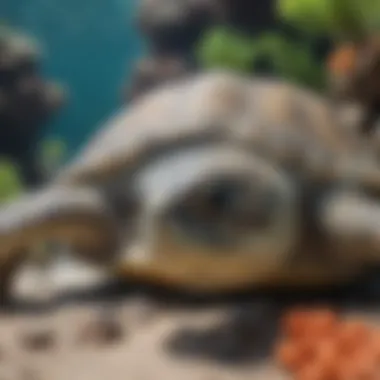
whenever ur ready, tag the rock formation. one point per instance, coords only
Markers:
(27, 102)
(171, 29)
(175, 29)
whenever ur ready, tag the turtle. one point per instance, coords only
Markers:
(209, 184)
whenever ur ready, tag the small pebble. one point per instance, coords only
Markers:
(29, 374)
(140, 311)
(103, 330)
(9, 372)
(39, 340)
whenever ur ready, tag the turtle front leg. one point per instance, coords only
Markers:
(351, 223)
(74, 216)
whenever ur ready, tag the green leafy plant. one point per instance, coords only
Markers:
(223, 47)
(227, 49)
(290, 60)
(52, 154)
(336, 18)
(10, 181)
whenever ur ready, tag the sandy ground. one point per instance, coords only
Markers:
(173, 345)
(120, 334)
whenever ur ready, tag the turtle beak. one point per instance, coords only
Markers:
(77, 217)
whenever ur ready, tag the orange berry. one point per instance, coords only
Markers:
(291, 355)
(343, 59)
(353, 334)
(313, 323)
(294, 323)
(326, 351)
(323, 324)
(374, 344)
(314, 371)
(361, 366)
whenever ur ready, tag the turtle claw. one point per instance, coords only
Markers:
(7, 271)
(72, 216)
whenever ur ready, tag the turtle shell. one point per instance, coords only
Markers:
(284, 122)
(288, 126)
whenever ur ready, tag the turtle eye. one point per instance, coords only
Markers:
(216, 201)
(219, 197)
(225, 209)
(234, 202)
(211, 199)
(239, 204)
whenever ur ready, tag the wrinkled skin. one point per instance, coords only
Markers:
(213, 184)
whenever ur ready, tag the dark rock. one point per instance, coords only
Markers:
(27, 102)
(103, 330)
(246, 335)
(250, 16)
(173, 26)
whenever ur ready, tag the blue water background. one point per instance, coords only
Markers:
(89, 46)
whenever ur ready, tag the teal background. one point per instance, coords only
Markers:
(90, 46)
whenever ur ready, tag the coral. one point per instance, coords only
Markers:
(321, 345)
(27, 101)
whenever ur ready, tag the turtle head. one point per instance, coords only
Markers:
(219, 208)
